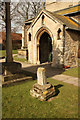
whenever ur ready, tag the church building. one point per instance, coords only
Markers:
(53, 35)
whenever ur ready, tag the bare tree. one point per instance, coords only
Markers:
(35, 8)
(19, 12)
(2, 15)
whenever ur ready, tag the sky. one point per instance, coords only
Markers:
(43, 0)
(63, 0)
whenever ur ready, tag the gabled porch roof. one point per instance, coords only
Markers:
(69, 23)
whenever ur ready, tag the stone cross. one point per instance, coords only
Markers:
(41, 76)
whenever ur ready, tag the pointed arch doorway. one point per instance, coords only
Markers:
(44, 48)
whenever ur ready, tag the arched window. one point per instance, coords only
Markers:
(43, 17)
(29, 36)
(59, 34)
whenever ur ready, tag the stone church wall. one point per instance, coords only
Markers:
(30, 46)
(71, 48)
(52, 27)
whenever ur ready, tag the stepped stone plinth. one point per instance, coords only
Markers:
(12, 73)
(42, 89)
(15, 78)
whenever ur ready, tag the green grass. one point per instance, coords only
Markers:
(3, 52)
(18, 103)
(20, 59)
(72, 72)
(15, 51)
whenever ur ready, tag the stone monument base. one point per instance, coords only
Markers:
(43, 92)
(10, 68)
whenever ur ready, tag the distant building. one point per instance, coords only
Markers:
(16, 40)
(53, 35)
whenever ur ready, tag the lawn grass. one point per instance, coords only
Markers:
(15, 51)
(75, 72)
(16, 58)
(17, 102)
(3, 52)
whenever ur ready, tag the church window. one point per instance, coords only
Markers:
(59, 34)
(43, 18)
(29, 36)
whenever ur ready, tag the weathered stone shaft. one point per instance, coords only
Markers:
(41, 76)
(8, 34)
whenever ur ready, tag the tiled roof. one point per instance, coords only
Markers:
(14, 36)
(65, 20)
(70, 23)
(69, 10)
(29, 20)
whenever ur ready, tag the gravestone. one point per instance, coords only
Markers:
(42, 89)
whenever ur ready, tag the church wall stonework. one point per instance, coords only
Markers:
(30, 54)
(35, 28)
(58, 59)
(71, 48)
(52, 29)
(30, 46)
(64, 45)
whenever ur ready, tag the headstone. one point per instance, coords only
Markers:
(41, 76)
(42, 89)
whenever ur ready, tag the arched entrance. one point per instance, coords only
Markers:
(45, 48)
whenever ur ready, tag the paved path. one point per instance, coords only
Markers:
(51, 72)
(68, 79)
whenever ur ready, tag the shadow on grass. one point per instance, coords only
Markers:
(57, 89)
(27, 73)
(55, 94)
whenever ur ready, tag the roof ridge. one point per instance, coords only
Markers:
(67, 8)
(66, 20)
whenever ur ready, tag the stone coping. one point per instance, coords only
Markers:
(16, 81)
